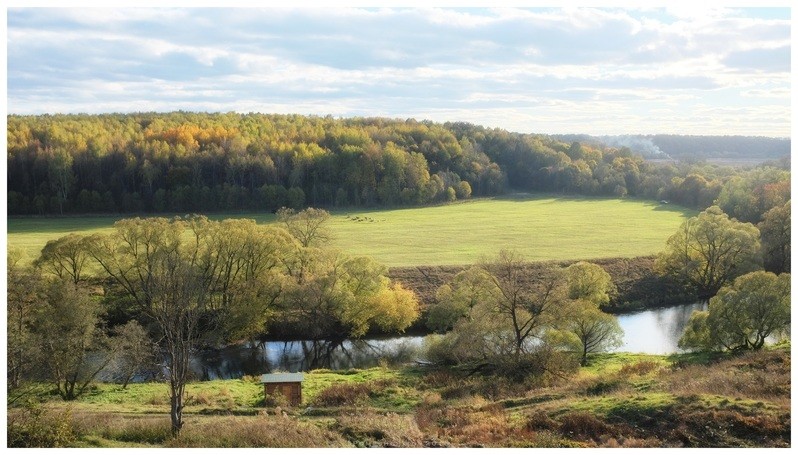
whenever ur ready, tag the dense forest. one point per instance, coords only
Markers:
(180, 161)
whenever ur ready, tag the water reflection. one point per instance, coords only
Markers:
(656, 331)
(651, 332)
(304, 355)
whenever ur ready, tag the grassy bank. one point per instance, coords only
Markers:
(541, 228)
(617, 400)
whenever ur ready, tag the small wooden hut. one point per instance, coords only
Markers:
(287, 384)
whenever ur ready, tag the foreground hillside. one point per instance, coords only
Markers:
(539, 227)
(617, 400)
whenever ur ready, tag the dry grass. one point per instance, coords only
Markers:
(376, 430)
(140, 429)
(255, 431)
(346, 394)
(755, 375)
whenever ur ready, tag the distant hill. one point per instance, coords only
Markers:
(750, 149)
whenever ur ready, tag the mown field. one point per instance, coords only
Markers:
(618, 400)
(541, 228)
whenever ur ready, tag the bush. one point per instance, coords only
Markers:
(32, 426)
(583, 425)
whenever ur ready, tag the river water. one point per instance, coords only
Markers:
(654, 331)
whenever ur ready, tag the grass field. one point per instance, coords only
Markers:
(540, 228)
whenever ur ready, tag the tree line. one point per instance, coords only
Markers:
(193, 162)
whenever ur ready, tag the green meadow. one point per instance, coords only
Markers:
(541, 228)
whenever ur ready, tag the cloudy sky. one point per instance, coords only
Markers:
(596, 71)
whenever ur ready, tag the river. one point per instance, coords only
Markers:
(654, 331)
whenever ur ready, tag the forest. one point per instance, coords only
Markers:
(198, 162)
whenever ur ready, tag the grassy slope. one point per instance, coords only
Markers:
(618, 400)
(540, 228)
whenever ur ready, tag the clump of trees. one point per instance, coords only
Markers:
(742, 315)
(497, 321)
(194, 282)
(709, 251)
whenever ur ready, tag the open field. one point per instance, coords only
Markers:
(618, 400)
(541, 228)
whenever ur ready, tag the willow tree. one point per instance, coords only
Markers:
(709, 251)
(64, 257)
(589, 329)
(329, 295)
(742, 315)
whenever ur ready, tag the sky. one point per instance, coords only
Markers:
(600, 71)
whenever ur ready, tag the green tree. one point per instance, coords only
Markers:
(65, 257)
(23, 296)
(60, 175)
(587, 281)
(592, 329)
(530, 308)
(709, 251)
(742, 315)
(775, 231)
(135, 352)
(310, 226)
(455, 300)
(334, 296)
(72, 348)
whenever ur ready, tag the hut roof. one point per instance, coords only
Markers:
(282, 377)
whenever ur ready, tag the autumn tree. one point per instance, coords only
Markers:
(158, 268)
(528, 307)
(742, 315)
(709, 251)
(330, 295)
(501, 319)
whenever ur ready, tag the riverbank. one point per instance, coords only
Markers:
(618, 400)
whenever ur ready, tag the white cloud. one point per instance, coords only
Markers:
(570, 70)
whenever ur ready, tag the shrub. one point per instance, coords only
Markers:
(583, 425)
(541, 421)
(32, 426)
